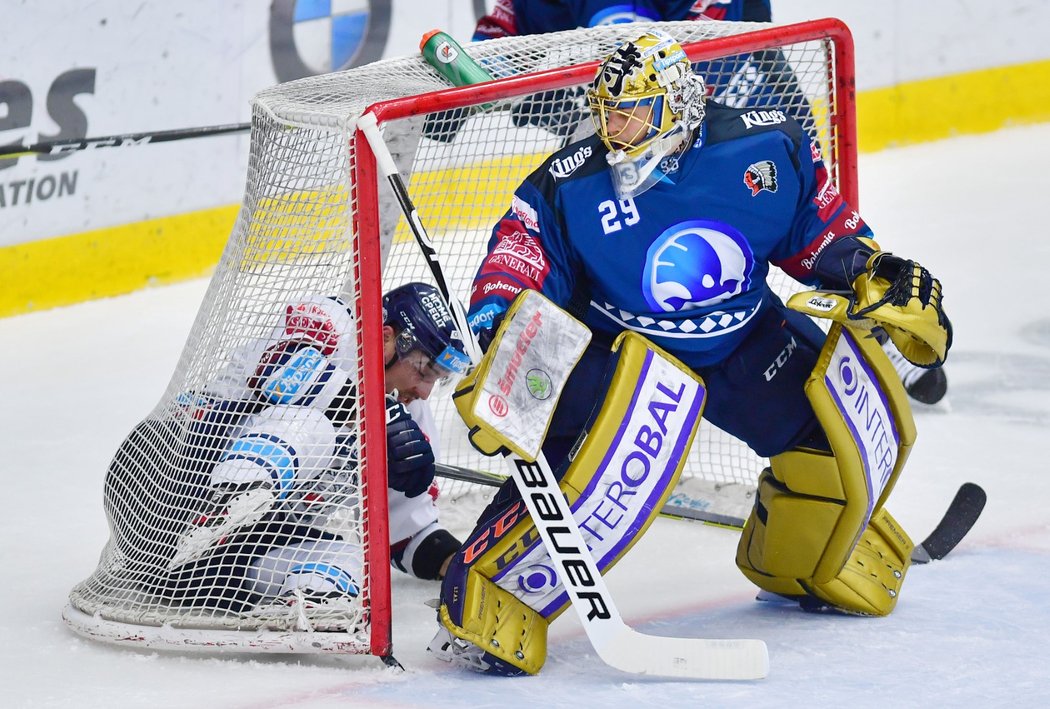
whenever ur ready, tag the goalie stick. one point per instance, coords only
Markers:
(958, 519)
(615, 642)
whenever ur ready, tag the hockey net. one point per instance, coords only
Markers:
(316, 222)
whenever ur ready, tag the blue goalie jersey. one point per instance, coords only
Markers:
(684, 263)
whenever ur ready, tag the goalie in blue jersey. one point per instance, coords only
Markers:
(761, 80)
(666, 223)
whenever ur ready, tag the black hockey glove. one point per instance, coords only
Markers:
(409, 457)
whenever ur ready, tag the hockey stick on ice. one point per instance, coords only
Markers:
(61, 147)
(672, 511)
(615, 642)
(958, 519)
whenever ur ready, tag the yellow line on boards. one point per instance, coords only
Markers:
(934, 109)
(112, 261)
(116, 260)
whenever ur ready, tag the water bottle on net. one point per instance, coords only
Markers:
(444, 54)
(448, 58)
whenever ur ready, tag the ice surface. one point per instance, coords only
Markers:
(968, 631)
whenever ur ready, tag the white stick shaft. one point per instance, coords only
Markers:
(385, 162)
(617, 644)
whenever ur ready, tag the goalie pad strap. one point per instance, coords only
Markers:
(630, 460)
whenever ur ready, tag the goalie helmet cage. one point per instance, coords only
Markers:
(314, 221)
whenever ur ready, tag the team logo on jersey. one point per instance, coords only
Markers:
(694, 264)
(520, 253)
(761, 176)
(563, 167)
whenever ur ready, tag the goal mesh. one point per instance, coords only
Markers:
(315, 222)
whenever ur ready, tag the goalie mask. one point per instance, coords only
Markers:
(421, 321)
(645, 102)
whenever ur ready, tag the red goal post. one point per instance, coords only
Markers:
(315, 220)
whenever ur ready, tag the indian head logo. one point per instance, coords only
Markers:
(761, 176)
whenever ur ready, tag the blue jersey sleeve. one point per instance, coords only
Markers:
(822, 218)
(527, 250)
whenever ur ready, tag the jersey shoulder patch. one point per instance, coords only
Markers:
(724, 123)
(580, 159)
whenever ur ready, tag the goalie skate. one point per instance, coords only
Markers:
(232, 506)
(460, 653)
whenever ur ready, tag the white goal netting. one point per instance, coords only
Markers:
(304, 232)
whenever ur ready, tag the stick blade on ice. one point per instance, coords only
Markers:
(684, 658)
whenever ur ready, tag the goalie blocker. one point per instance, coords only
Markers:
(501, 590)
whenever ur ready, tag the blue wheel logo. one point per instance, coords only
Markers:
(695, 264)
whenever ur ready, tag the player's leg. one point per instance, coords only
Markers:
(148, 495)
(420, 545)
(501, 590)
(812, 506)
(316, 571)
(159, 476)
(277, 447)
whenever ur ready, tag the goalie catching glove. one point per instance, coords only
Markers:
(897, 294)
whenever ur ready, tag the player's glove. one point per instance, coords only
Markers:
(906, 300)
(409, 457)
(897, 294)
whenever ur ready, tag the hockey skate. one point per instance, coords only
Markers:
(231, 507)
(460, 653)
(927, 386)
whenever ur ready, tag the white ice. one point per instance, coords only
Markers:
(968, 630)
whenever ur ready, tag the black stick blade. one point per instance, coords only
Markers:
(962, 514)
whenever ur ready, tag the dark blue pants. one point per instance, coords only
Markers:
(755, 394)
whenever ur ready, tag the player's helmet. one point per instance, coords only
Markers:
(418, 315)
(649, 86)
(651, 80)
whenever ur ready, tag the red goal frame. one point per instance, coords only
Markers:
(365, 191)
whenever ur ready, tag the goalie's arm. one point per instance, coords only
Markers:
(529, 226)
(830, 246)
